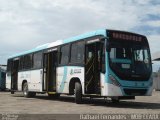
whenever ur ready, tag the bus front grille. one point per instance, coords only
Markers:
(135, 92)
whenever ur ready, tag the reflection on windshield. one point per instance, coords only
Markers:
(130, 61)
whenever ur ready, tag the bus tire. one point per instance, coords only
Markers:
(26, 93)
(78, 93)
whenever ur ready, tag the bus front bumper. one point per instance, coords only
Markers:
(113, 90)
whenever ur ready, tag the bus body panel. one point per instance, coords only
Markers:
(65, 74)
(149, 92)
(33, 78)
(62, 82)
(112, 90)
(8, 81)
(36, 80)
(23, 75)
(102, 82)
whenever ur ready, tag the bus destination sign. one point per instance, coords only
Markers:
(125, 36)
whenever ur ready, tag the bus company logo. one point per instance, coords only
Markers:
(75, 71)
(71, 72)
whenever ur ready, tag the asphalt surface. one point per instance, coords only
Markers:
(42, 104)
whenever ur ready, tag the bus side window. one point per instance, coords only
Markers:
(21, 63)
(37, 60)
(9, 65)
(27, 61)
(77, 52)
(64, 58)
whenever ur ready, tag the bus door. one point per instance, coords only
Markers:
(14, 74)
(92, 68)
(49, 71)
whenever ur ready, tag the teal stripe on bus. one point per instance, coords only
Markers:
(63, 80)
(86, 35)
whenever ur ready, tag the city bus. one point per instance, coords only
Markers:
(104, 63)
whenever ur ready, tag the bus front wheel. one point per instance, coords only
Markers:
(78, 93)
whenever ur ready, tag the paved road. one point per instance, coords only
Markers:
(41, 104)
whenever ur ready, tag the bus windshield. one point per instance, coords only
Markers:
(130, 60)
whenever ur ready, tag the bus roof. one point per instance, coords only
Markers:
(30, 51)
(60, 42)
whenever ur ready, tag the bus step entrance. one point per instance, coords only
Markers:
(92, 74)
(49, 71)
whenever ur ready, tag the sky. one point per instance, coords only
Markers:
(25, 24)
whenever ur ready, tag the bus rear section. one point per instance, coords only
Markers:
(129, 65)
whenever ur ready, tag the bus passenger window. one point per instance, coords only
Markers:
(21, 61)
(77, 52)
(37, 60)
(27, 61)
(64, 54)
(9, 65)
(90, 54)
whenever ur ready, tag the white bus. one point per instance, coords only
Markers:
(104, 63)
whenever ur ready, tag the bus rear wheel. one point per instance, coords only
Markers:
(78, 93)
(26, 93)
